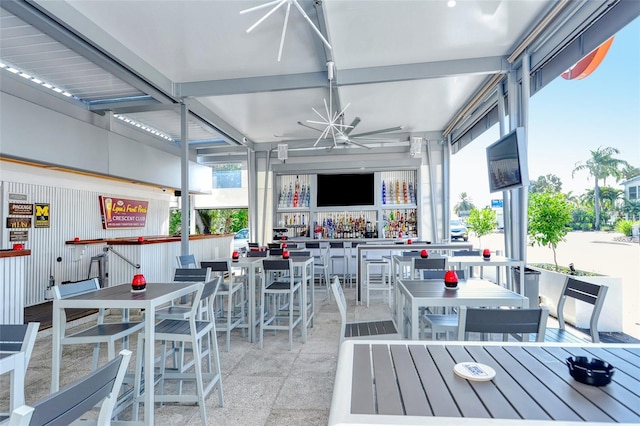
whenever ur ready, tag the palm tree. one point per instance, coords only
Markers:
(464, 205)
(629, 172)
(601, 165)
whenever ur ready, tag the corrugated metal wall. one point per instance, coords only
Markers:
(11, 290)
(73, 212)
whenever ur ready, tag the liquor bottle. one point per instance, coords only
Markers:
(303, 196)
(384, 193)
(290, 195)
(397, 200)
(405, 194)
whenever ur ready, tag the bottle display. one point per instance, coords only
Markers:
(393, 216)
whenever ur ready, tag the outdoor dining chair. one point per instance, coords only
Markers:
(201, 336)
(101, 331)
(230, 302)
(592, 294)
(383, 329)
(187, 261)
(280, 289)
(503, 321)
(101, 386)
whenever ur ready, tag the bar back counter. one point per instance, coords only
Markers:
(155, 256)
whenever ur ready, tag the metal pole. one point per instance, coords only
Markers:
(184, 189)
(267, 168)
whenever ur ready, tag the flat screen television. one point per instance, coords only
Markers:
(507, 162)
(335, 190)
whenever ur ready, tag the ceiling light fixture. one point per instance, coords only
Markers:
(35, 80)
(278, 4)
(144, 127)
(451, 3)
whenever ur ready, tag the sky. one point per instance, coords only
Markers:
(567, 120)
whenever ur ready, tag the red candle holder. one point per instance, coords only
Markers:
(76, 239)
(284, 245)
(451, 279)
(140, 239)
(424, 254)
(409, 241)
(285, 254)
(139, 283)
(18, 246)
(486, 254)
(235, 255)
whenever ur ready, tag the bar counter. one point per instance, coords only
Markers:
(154, 256)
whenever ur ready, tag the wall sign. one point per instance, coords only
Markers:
(118, 213)
(15, 236)
(21, 209)
(18, 222)
(18, 197)
(42, 215)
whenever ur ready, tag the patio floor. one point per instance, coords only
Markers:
(270, 386)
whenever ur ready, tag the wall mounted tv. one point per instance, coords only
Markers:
(335, 190)
(507, 162)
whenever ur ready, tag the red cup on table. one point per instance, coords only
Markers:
(424, 254)
(235, 255)
(285, 254)
(409, 241)
(284, 245)
(138, 283)
(450, 279)
(486, 254)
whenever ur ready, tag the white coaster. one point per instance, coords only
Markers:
(474, 371)
(450, 288)
(138, 291)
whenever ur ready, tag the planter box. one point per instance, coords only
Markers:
(576, 312)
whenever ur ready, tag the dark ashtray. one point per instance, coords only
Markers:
(595, 372)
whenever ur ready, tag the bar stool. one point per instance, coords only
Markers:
(336, 255)
(378, 281)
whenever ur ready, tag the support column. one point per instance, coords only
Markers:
(184, 189)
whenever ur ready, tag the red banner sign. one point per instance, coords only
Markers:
(123, 212)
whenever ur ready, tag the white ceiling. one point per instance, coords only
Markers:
(414, 64)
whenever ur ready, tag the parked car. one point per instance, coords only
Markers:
(241, 240)
(458, 230)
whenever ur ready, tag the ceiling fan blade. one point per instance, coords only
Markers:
(309, 127)
(351, 141)
(375, 132)
(353, 125)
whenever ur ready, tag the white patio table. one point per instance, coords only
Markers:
(473, 292)
(413, 383)
(252, 265)
(460, 262)
(12, 363)
(120, 297)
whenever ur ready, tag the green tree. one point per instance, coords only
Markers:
(175, 221)
(481, 222)
(601, 165)
(548, 216)
(546, 183)
(464, 205)
(629, 172)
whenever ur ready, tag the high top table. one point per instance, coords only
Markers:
(474, 292)
(413, 383)
(391, 249)
(120, 297)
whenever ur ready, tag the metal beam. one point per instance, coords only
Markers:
(128, 106)
(424, 70)
(220, 125)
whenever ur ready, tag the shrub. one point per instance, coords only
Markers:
(549, 215)
(624, 227)
(482, 222)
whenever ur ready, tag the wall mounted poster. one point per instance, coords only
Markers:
(42, 215)
(119, 213)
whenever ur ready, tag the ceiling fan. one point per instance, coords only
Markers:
(334, 124)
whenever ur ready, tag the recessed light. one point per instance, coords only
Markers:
(451, 3)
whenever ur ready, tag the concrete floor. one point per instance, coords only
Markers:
(270, 386)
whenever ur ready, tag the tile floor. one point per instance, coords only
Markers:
(272, 386)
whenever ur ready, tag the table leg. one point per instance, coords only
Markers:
(58, 324)
(303, 301)
(149, 365)
(251, 315)
(17, 381)
(415, 322)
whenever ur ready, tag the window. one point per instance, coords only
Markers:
(633, 192)
(227, 175)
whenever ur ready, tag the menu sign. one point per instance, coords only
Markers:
(21, 209)
(122, 212)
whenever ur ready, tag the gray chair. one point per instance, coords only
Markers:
(339, 253)
(593, 294)
(230, 304)
(503, 321)
(280, 288)
(101, 331)
(187, 261)
(19, 338)
(257, 253)
(101, 386)
(419, 264)
(384, 329)
(182, 311)
(434, 322)
(201, 336)
(320, 255)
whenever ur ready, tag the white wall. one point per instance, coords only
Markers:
(29, 131)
